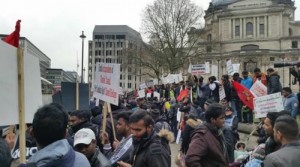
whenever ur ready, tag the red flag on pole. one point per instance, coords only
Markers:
(13, 38)
(244, 94)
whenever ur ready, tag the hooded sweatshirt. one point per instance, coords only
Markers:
(59, 153)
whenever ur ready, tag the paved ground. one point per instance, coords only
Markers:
(174, 149)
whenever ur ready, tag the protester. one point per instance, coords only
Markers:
(78, 120)
(268, 126)
(160, 122)
(232, 122)
(290, 101)
(258, 75)
(273, 85)
(286, 133)
(49, 130)
(207, 147)
(246, 81)
(122, 149)
(149, 149)
(214, 89)
(5, 155)
(96, 115)
(85, 142)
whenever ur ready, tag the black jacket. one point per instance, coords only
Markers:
(151, 152)
(274, 85)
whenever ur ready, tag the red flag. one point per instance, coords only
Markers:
(13, 38)
(244, 94)
(184, 93)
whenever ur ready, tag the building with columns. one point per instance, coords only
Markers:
(252, 33)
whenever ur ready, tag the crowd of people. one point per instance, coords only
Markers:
(192, 111)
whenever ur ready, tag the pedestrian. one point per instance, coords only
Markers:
(286, 133)
(49, 127)
(207, 147)
(260, 76)
(149, 149)
(85, 143)
(273, 85)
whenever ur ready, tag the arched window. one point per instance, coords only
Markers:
(209, 38)
(249, 28)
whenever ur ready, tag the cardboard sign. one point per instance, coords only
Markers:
(9, 85)
(229, 67)
(269, 103)
(143, 86)
(198, 69)
(142, 93)
(258, 89)
(107, 79)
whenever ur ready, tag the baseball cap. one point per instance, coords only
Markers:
(84, 136)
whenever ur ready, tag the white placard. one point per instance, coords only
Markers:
(207, 69)
(156, 94)
(107, 79)
(155, 81)
(198, 69)
(180, 78)
(148, 95)
(236, 68)
(141, 93)
(178, 116)
(268, 103)
(178, 136)
(258, 89)
(143, 86)
(9, 85)
(229, 67)
(150, 84)
(222, 94)
(214, 70)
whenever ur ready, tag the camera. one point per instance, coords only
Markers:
(286, 64)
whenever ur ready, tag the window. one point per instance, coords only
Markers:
(120, 76)
(129, 85)
(237, 30)
(121, 44)
(261, 29)
(120, 84)
(209, 37)
(120, 36)
(272, 58)
(290, 32)
(294, 44)
(129, 69)
(208, 49)
(249, 28)
(129, 77)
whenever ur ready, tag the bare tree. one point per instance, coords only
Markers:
(167, 24)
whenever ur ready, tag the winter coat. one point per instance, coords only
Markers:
(291, 104)
(58, 153)
(207, 148)
(151, 151)
(288, 155)
(274, 85)
(247, 82)
(191, 125)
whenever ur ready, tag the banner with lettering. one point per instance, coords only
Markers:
(198, 69)
(107, 79)
(268, 103)
(258, 89)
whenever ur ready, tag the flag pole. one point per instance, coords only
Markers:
(77, 95)
(21, 103)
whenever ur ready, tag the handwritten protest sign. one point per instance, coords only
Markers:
(222, 94)
(198, 69)
(258, 89)
(268, 103)
(107, 79)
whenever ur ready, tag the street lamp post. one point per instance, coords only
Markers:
(82, 36)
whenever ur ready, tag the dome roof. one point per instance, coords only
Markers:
(222, 2)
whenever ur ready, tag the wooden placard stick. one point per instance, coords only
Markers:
(112, 121)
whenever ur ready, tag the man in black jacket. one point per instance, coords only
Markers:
(149, 148)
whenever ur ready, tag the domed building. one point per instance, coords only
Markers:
(251, 33)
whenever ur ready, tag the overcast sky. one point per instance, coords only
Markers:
(54, 26)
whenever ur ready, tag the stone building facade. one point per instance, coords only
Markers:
(252, 33)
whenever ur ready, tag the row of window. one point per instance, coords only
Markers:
(129, 77)
(108, 52)
(109, 44)
(110, 36)
(249, 29)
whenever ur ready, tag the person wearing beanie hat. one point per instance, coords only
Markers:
(85, 143)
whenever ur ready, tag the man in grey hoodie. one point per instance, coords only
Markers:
(49, 129)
